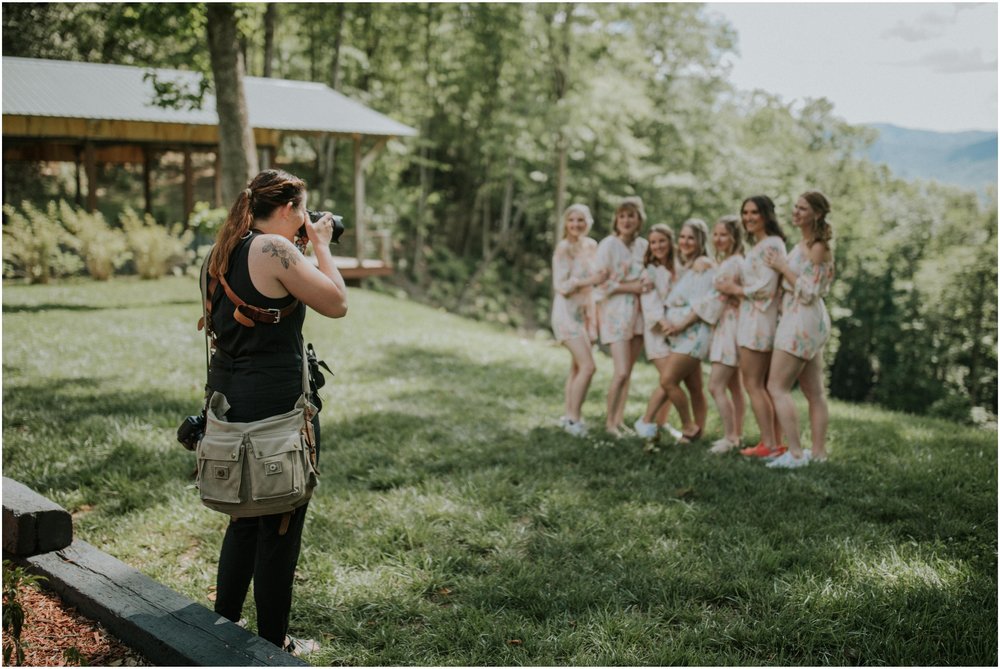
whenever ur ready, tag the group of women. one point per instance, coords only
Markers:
(756, 314)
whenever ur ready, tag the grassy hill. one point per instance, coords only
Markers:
(456, 525)
(967, 159)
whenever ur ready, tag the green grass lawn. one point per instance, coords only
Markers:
(457, 525)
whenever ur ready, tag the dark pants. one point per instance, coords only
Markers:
(252, 548)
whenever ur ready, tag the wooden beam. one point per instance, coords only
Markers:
(15, 125)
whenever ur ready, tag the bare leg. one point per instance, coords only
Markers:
(739, 403)
(658, 407)
(581, 372)
(623, 354)
(678, 368)
(568, 387)
(754, 365)
(696, 391)
(785, 368)
(719, 381)
(811, 383)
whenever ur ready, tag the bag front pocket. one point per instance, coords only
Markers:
(220, 466)
(275, 464)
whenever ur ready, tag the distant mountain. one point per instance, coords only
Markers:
(967, 159)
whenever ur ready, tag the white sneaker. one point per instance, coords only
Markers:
(673, 432)
(300, 647)
(722, 446)
(563, 420)
(645, 430)
(789, 461)
(575, 428)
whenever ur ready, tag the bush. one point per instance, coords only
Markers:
(205, 222)
(103, 249)
(155, 249)
(953, 406)
(36, 246)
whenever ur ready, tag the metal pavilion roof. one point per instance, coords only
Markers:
(65, 89)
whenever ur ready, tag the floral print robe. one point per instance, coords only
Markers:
(804, 326)
(574, 314)
(653, 306)
(761, 297)
(618, 314)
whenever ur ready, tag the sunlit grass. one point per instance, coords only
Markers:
(456, 525)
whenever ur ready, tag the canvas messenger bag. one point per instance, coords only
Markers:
(259, 468)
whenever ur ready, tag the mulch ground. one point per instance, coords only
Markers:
(57, 635)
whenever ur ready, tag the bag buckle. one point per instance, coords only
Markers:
(276, 313)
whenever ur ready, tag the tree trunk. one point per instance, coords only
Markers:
(237, 148)
(559, 50)
(329, 143)
(270, 20)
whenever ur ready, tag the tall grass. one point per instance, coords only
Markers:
(456, 525)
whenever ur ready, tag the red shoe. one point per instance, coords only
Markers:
(762, 451)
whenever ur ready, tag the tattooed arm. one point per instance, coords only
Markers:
(278, 268)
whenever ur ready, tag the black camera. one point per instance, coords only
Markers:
(191, 431)
(338, 225)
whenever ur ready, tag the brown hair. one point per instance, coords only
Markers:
(664, 230)
(765, 206)
(633, 202)
(735, 230)
(822, 232)
(266, 192)
(700, 230)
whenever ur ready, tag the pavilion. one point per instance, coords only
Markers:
(89, 113)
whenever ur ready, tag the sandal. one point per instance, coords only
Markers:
(690, 438)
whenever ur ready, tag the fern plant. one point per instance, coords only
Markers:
(103, 249)
(36, 245)
(155, 249)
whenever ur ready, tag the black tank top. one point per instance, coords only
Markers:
(258, 369)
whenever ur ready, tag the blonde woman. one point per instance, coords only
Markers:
(574, 316)
(803, 330)
(727, 238)
(661, 268)
(619, 319)
(759, 288)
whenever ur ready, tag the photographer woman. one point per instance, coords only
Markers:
(258, 367)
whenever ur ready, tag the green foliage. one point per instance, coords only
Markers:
(457, 525)
(15, 578)
(36, 245)
(155, 250)
(104, 249)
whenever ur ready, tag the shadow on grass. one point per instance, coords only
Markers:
(53, 306)
(47, 306)
(461, 516)
(114, 450)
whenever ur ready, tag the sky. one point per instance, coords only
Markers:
(925, 66)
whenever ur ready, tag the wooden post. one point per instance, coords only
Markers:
(147, 184)
(359, 201)
(362, 163)
(265, 158)
(90, 162)
(188, 184)
(79, 187)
